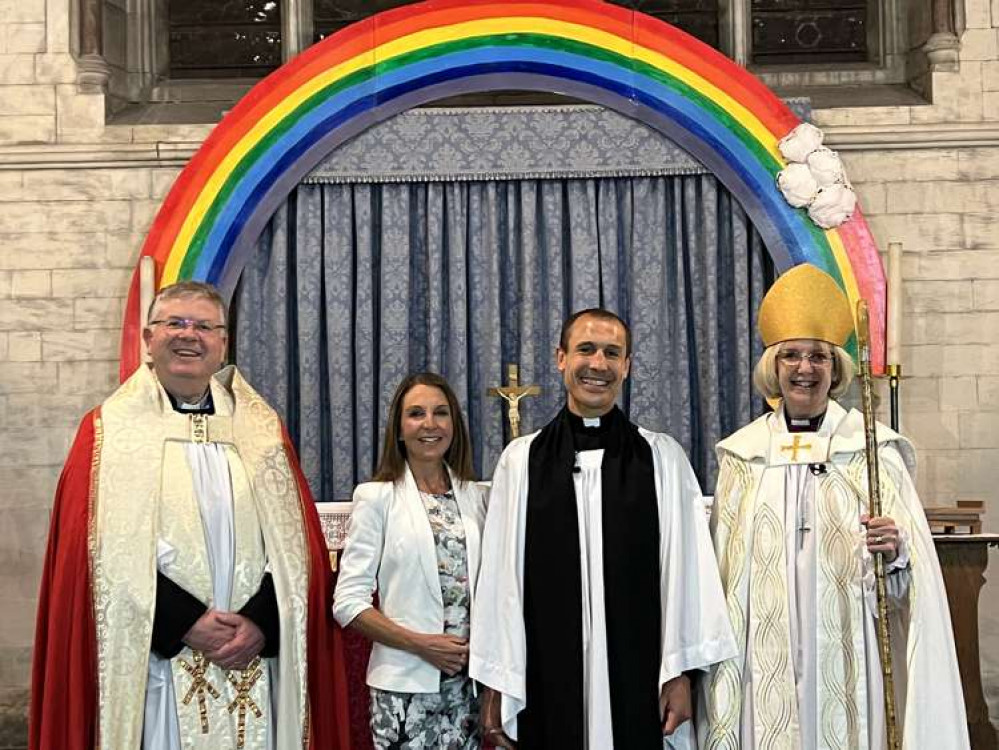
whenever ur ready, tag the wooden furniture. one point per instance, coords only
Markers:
(964, 554)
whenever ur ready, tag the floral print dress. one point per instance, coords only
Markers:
(446, 720)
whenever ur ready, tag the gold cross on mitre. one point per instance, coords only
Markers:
(512, 392)
(795, 446)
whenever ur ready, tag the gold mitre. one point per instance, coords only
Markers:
(805, 303)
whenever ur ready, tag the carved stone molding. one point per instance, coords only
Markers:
(943, 48)
(93, 71)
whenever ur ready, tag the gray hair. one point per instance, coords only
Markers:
(765, 373)
(188, 290)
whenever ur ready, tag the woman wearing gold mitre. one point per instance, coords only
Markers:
(795, 544)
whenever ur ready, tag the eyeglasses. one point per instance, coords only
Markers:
(176, 325)
(794, 358)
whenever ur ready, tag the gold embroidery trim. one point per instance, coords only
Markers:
(243, 702)
(199, 687)
(95, 471)
(199, 428)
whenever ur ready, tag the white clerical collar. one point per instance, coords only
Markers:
(591, 421)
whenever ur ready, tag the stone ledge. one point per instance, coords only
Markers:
(171, 153)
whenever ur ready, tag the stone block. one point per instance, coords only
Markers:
(58, 67)
(11, 186)
(79, 184)
(963, 359)
(22, 11)
(19, 621)
(17, 69)
(28, 377)
(4, 338)
(5, 284)
(952, 328)
(23, 533)
(27, 129)
(88, 282)
(15, 668)
(163, 180)
(76, 111)
(990, 76)
(988, 392)
(22, 37)
(980, 231)
(933, 431)
(957, 394)
(94, 379)
(52, 250)
(986, 295)
(95, 313)
(958, 264)
(34, 447)
(957, 97)
(57, 26)
(143, 214)
(937, 296)
(35, 315)
(873, 197)
(942, 197)
(977, 14)
(56, 410)
(14, 717)
(70, 346)
(27, 100)
(171, 133)
(29, 486)
(978, 44)
(853, 116)
(901, 166)
(123, 248)
(990, 105)
(979, 430)
(24, 346)
(918, 233)
(951, 475)
(916, 395)
(64, 216)
(31, 284)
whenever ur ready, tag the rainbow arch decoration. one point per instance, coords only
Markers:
(591, 50)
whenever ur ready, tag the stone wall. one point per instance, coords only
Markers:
(76, 198)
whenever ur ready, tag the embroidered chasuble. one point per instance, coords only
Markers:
(212, 502)
(799, 587)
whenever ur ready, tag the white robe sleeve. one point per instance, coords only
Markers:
(696, 631)
(498, 644)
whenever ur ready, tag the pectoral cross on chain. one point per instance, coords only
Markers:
(512, 392)
(796, 446)
(200, 687)
(243, 702)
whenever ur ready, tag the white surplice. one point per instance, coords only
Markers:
(821, 678)
(695, 628)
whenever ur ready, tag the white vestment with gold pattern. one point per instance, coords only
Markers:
(209, 501)
(799, 590)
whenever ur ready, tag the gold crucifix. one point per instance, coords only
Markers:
(795, 447)
(512, 392)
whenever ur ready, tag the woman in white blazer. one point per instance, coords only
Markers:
(414, 538)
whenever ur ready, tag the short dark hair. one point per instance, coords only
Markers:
(186, 289)
(392, 464)
(595, 312)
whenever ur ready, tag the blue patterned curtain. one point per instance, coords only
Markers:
(354, 286)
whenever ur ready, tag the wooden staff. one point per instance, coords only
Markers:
(874, 491)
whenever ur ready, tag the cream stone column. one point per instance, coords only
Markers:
(93, 68)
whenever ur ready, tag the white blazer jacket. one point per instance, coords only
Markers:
(390, 548)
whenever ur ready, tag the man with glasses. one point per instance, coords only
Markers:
(794, 545)
(184, 601)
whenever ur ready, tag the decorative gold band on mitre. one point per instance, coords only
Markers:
(805, 303)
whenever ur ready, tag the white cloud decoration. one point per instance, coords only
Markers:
(814, 178)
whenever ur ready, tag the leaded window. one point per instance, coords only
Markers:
(809, 31)
(224, 38)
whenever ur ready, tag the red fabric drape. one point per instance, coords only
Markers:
(63, 713)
